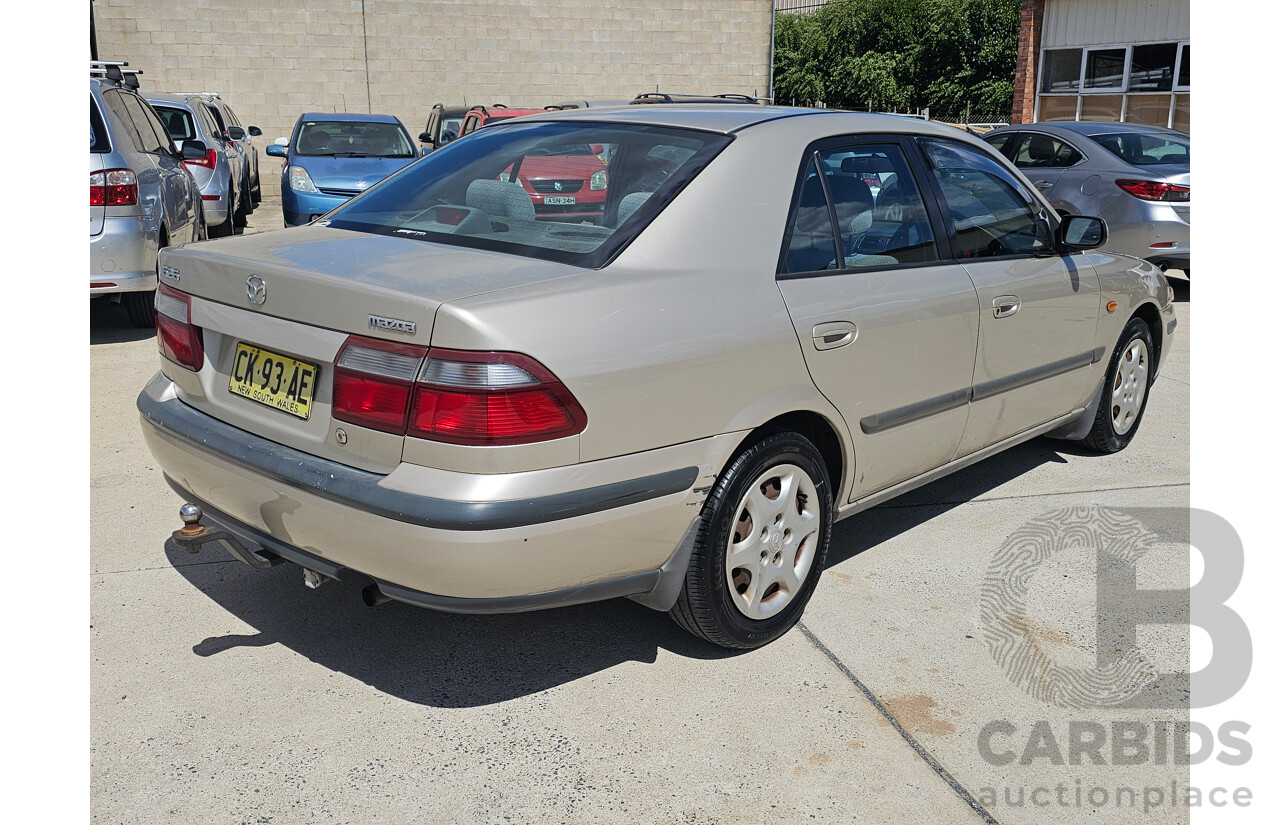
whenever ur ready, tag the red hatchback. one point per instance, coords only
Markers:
(569, 185)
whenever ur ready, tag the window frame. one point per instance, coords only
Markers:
(915, 165)
(1183, 46)
(1039, 206)
(1123, 88)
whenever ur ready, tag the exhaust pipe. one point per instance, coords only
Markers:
(372, 596)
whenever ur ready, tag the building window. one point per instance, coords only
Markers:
(1061, 72)
(1152, 68)
(1145, 83)
(1104, 69)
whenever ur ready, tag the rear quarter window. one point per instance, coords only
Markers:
(99, 140)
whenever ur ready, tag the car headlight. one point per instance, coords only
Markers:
(300, 181)
(599, 180)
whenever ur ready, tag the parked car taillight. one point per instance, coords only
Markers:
(491, 398)
(373, 383)
(479, 398)
(113, 187)
(209, 161)
(1154, 190)
(180, 341)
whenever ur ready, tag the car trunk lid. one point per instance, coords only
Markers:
(296, 296)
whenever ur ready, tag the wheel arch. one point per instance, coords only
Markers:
(1150, 313)
(813, 426)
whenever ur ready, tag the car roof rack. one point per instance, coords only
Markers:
(199, 94)
(664, 97)
(115, 71)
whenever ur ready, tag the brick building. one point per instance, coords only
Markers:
(1106, 60)
(273, 60)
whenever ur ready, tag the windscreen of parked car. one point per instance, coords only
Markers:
(463, 194)
(1146, 149)
(449, 129)
(177, 121)
(353, 139)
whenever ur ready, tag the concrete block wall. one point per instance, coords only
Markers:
(272, 61)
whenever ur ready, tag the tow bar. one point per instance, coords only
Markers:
(194, 534)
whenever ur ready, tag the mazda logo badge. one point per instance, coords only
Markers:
(256, 289)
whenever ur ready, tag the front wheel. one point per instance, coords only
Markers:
(1124, 394)
(761, 547)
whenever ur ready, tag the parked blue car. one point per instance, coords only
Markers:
(331, 158)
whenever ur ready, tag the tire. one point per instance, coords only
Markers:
(750, 605)
(141, 307)
(222, 230)
(256, 191)
(1125, 391)
(240, 217)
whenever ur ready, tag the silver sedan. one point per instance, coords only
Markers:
(468, 407)
(1138, 178)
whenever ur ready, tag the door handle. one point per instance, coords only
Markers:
(834, 334)
(1006, 305)
(1042, 185)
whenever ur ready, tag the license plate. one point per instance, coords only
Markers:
(559, 200)
(275, 380)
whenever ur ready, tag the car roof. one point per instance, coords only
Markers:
(727, 118)
(160, 97)
(353, 117)
(1087, 128)
(446, 109)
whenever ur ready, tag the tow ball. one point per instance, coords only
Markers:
(194, 534)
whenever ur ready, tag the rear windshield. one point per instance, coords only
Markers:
(531, 189)
(353, 139)
(98, 141)
(178, 122)
(1147, 150)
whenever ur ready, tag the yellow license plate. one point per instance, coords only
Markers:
(275, 380)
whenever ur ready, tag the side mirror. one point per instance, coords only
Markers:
(235, 132)
(194, 150)
(597, 148)
(254, 131)
(425, 137)
(1078, 232)
(275, 150)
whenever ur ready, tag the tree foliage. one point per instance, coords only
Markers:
(953, 56)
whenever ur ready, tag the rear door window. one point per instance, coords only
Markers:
(991, 212)
(1036, 151)
(881, 214)
(154, 137)
(178, 122)
(811, 242)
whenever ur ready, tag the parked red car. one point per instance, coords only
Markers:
(571, 185)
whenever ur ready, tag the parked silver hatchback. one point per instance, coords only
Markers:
(470, 406)
(187, 118)
(141, 197)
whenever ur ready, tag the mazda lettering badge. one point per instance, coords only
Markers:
(256, 289)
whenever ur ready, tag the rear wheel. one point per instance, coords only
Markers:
(240, 217)
(141, 306)
(761, 547)
(1124, 394)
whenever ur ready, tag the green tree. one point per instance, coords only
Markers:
(951, 56)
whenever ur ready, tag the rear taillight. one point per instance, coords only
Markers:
(113, 187)
(491, 398)
(373, 383)
(209, 161)
(478, 398)
(1154, 190)
(180, 341)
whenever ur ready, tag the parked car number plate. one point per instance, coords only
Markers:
(557, 200)
(275, 380)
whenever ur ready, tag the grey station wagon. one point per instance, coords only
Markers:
(468, 407)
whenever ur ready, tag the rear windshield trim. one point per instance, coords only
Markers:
(602, 256)
(102, 139)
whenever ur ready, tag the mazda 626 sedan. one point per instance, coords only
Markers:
(464, 405)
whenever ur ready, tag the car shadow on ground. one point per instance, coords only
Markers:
(450, 660)
(109, 324)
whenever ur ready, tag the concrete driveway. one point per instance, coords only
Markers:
(223, 694)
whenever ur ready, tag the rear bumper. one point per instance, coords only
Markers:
(216, 212)
(592, 531)
(122, 257)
